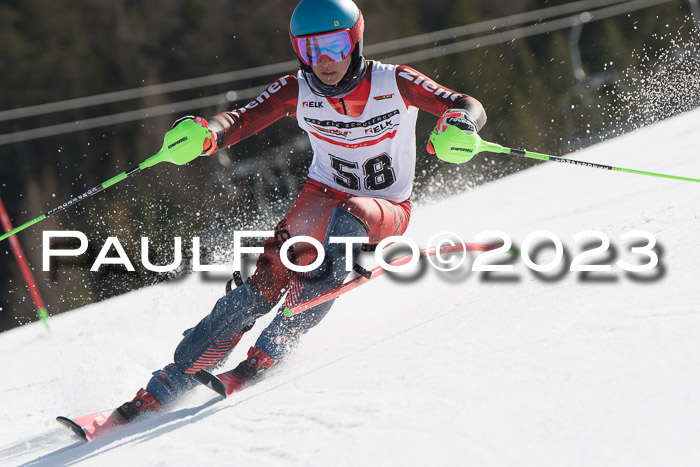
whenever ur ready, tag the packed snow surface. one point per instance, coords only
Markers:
(426, 369)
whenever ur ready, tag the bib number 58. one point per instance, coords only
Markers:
(377, 173)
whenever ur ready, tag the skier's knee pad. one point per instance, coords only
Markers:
(214, 337)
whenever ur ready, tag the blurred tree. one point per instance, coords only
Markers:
(55, 50)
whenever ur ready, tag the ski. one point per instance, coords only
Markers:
(93, 426)
(96, 425)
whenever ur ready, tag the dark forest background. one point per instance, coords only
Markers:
(53, 51)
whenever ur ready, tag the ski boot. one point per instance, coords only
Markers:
(169, 383)
(257, 362)
(164, 387)
(144, 402)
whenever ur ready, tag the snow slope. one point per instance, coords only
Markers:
(438, 369)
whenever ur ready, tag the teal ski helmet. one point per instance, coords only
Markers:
(341, 24)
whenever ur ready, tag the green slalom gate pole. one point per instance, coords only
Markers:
(454, 146)
(181, 145)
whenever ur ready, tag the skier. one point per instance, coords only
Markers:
(360, 117)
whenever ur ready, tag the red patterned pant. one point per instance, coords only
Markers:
(309, 216)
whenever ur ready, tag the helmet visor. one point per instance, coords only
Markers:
(335, 45)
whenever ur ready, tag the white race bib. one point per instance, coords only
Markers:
(371, 155)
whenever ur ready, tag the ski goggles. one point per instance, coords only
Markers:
(336, 45)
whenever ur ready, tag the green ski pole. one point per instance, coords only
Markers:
(454, 146)
(181, 145)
